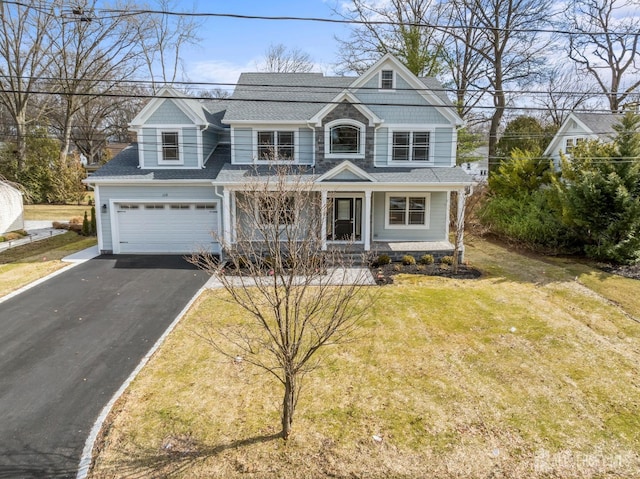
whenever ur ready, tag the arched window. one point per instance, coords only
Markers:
(345, 138)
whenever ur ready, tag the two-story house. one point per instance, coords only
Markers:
(379, 150)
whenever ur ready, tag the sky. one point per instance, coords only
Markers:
(231, 46)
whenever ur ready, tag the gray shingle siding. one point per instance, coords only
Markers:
(168, 113)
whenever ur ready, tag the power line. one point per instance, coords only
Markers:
(118, 13)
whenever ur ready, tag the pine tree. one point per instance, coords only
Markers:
(86, 227)
(94, 230)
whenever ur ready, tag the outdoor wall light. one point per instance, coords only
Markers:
(104, 207)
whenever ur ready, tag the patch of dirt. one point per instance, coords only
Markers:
(384, 274)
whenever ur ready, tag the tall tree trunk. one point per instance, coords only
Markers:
(288, 404)
(21, 141)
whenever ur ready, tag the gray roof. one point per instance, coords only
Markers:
(600, 124)
(243, 173)
(293, 96)
(124, 166)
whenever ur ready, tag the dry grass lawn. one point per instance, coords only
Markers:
(55, 212)
(530, 372)
(24, 264)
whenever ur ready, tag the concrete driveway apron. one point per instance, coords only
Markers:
(68, 344)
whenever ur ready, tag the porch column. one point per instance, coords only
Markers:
(367, 220)
(459, 233)
(323, 219)
(226, 220)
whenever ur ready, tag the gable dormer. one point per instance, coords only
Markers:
(170, 132)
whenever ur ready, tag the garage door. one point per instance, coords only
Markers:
(166, 228)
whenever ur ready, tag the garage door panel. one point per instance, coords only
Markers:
(161, 228)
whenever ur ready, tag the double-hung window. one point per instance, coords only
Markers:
(276, 146)
(407, 211)
(386, 80)
(170, 146)
(276, 210)
(410, 146)
(571, 143)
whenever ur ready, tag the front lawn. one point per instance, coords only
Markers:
(530, 371)
(24, 264)
(55, 212)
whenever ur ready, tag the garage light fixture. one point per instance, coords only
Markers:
(104, 207)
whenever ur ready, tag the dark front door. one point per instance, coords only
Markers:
(347, 219)
(343, 219)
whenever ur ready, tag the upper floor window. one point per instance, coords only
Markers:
(276, 145)
(170, 146)
(410, 146)
(345, 138)
(571, 143)
(386, 80)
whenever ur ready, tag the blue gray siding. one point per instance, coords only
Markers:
(168, 113)
(438, 217)
(210, 139)
(151, 147)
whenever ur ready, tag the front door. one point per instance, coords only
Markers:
(347, 220)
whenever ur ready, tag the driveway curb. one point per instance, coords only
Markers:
(86, 457)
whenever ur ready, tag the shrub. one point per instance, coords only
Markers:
(397, 268)
(426, 259)
(408, 260)
(2, 239)
(60, 226)
(448, 260)
(86, 227)
(94, 227)
(384, 259)
(12, 236)
(76, 220)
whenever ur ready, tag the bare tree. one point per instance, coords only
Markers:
(296, 305)
(604, 44)
(565, 90)
(24, 59)
(280, 59)
(467, 69)
(161, 38)
(91, 56)
(417, 47)
(509, 44)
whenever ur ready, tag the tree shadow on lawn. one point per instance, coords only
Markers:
(178, 453)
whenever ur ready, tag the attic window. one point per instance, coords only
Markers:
(386, 80)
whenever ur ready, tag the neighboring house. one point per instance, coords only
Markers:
(580, 127)
(380, 148)
(478, 165)
(11, 209)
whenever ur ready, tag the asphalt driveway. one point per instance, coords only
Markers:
(68, 344)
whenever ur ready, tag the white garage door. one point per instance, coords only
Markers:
(166, 228)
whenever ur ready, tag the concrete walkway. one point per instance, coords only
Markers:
(334, 276)
(38, 230)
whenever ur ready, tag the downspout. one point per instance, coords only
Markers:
(219, 195)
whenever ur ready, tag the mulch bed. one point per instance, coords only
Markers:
(384, 274)
(632, 271)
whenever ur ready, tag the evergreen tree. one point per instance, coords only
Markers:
(94, 229)
(600, 194)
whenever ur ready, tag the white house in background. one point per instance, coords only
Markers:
(580, 127)
(11, 209)
(478, 169)
(380, 150)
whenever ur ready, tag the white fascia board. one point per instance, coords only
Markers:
(147, 182)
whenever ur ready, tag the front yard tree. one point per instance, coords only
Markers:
(276, 271)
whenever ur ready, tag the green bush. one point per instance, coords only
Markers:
(86, 226)
(408, 260)
(384, 259)
(426, 259)
(448, 260)
(2, 239)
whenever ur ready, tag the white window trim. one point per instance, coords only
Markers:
(163, 162)
(296, 148)
(393, 81)
(407, 195)
(347, 122)
(574, 140)
(411, 130)
(258, 215)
